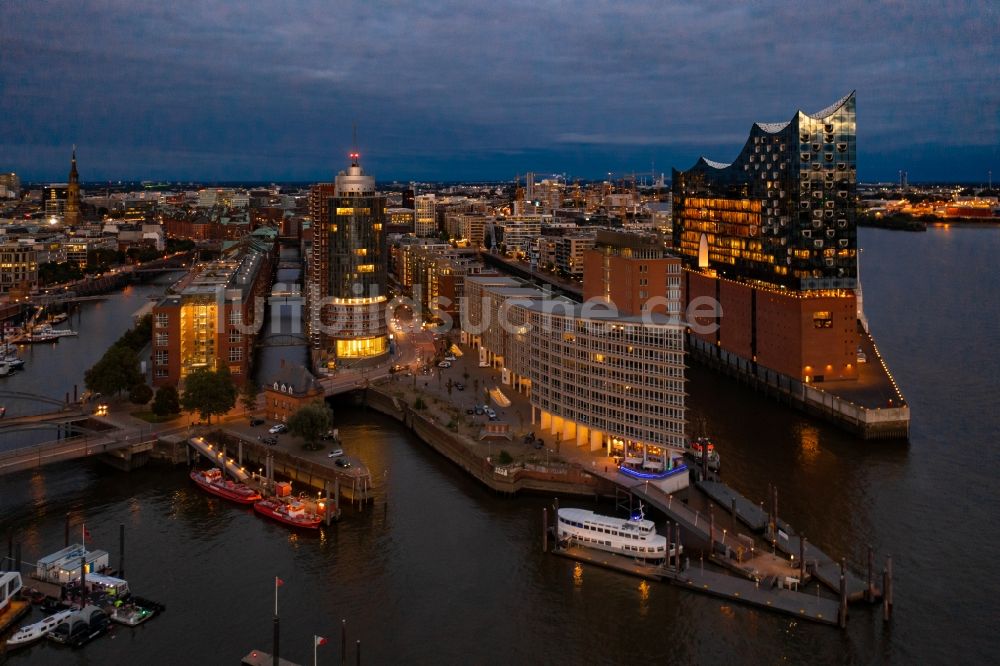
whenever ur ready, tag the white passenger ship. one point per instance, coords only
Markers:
(635, 538)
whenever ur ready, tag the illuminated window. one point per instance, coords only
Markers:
(366, 268)
(361, 347)
(823, 319)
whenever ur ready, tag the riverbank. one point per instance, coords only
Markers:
(430, 425)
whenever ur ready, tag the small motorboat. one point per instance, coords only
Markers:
(697, 449)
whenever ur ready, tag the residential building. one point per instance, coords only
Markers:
(633, 272)
(10, 186)
(424, 218)
(18, 268)
(400, 221)
(213, 319)
(519, 232)
(290, 388)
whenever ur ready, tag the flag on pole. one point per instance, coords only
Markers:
(317, 641)
(277, 583)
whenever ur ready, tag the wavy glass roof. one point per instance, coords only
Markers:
(774, 128)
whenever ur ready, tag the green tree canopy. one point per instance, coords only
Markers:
(140, 394)
(117, 371)
(166, 401)
(209, 392)
(248, 395)
(309, 422)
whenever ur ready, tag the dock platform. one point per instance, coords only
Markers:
(612, 561)
(749, 514)
(764, 595)
(820, 565)
(15, 610)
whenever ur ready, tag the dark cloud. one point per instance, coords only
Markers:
(484, 90)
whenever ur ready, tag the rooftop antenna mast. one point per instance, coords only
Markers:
(354, 146)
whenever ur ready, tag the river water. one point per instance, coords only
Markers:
(450, 573)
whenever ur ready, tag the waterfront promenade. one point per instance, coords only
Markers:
(456, 434)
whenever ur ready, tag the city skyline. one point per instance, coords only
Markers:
(192, 93)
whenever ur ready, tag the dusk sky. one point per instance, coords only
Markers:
(485, 90)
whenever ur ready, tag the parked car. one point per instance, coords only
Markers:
(450, 357)
(444, 364)
(277, 429)
(343, 463)
(479, 411)
(470, 411)
(336, 453)
(459, 386)
(256, 421)
(329, 434)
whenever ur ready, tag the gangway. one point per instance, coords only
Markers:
(218, 456)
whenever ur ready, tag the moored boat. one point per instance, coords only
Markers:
(131, 614)
(214, 482)
(81, 627)
(696, 450)
(635, 537)
(291, 513)
(30, 633)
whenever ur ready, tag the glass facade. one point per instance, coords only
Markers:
(783, 212)
(355, 276)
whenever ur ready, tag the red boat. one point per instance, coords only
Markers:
(293, 513)
(213, 481)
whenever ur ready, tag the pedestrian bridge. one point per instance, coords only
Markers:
(73, 442)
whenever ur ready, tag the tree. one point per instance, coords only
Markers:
(117, 371)
(140, 394)
(249, 393)
(309, 422)
(208, 392)
(166, 401)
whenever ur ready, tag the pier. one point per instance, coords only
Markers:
(780, 534)
(771, 593)
(238, 457)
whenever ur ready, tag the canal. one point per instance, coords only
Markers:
(450, 573)
(54, 370)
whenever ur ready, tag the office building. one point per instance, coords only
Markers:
(347, 277)
(595, 379)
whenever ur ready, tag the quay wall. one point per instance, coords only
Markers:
(562, 479)
(881, 423)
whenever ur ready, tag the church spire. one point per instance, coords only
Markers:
(71, 214)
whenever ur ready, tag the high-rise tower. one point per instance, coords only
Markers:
(348, 285)
(71, 216)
